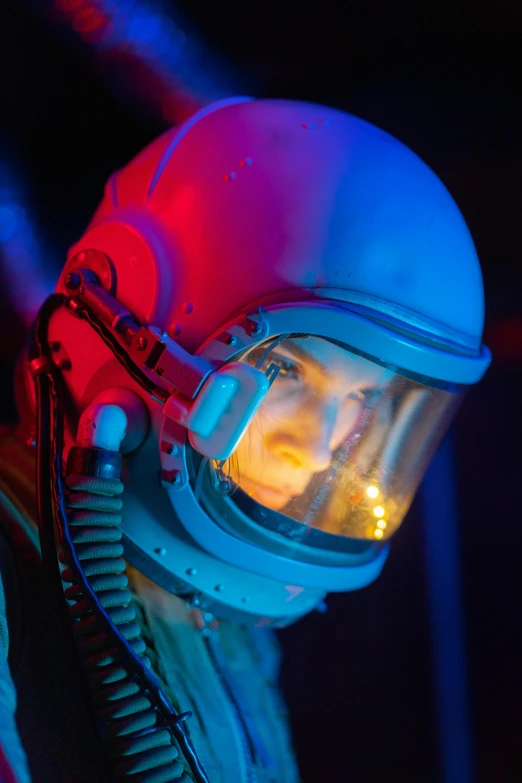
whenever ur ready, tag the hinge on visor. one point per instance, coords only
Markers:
(224, 407)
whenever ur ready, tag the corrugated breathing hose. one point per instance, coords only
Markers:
(137, 746)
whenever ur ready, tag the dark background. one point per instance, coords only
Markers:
(444, 77)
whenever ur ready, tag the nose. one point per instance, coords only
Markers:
(308, 444)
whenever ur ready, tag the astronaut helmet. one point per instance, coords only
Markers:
(297, 262)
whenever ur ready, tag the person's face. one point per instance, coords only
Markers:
(310, 410)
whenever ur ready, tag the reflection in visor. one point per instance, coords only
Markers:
(340, 443)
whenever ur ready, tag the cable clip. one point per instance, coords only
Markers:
(174, 720)
(41, 366)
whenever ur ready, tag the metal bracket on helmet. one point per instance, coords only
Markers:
(214, 403)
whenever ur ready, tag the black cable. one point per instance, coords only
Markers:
(45, 382)
(122, 356)
(44, 415)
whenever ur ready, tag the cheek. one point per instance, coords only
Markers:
(252, 449)
(277, 416)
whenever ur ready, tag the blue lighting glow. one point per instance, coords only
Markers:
(28, 276)
(8, 222)
(144, 30)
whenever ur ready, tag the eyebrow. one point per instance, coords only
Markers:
(299, 353)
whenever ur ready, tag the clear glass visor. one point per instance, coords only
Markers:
(340, 443)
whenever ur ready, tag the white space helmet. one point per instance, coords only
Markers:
(298, 265)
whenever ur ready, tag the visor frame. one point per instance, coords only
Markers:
(332, 321)
(371, 338)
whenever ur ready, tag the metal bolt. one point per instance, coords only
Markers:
(168, 448)
(163, 335)
(65, 364)
(191, 571)
(219, 588)
(55, 346)
(160, 371)
(224, 486)
(160, 550)
(172, 477)
(72, 280)
(141, 343)
(255, 328)
(231, 339)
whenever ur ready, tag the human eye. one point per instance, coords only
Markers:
(287, 369)
(263, 360)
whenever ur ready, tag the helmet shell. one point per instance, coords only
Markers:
(256, 200)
